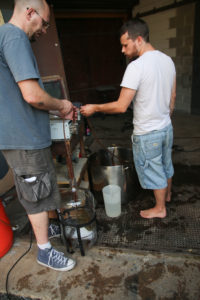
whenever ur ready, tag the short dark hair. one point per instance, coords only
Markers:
(135, 27)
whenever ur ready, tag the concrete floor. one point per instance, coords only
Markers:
(107, 273)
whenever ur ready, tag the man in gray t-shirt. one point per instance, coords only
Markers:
(24, 123)
(23, 126)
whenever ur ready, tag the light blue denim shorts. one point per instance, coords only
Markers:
(152, 157)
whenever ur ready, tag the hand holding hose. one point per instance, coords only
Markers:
(88, 109)
(67, 111)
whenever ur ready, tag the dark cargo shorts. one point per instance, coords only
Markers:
(35, 179)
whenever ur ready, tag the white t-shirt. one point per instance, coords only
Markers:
(152, 76)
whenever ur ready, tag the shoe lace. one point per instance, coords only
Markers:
(57, 257)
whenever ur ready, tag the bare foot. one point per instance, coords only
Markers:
(168, 197)
(153, 213)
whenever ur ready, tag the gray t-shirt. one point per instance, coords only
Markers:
(21, 125)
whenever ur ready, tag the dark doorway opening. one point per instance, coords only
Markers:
(93, 62)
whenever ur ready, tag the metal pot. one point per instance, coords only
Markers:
(113, 165)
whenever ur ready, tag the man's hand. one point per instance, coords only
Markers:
(72, 114)
(88, 109)
(67, 110)
(37, 97)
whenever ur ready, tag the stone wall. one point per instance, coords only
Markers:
(172, 31)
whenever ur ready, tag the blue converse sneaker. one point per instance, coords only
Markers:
(55, 260)
(54, 231)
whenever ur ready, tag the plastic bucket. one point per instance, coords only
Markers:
(112, 200)
(6, 233)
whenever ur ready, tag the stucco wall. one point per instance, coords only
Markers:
(172, 31)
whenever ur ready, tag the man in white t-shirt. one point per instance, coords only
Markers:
(150, 80)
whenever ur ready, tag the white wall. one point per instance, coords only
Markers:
(160, 31)
(172, 31)
(159, 24)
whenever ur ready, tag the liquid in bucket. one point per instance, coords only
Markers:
(112, 200)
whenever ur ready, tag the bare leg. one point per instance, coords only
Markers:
(40, 224)
(159, 210)
(169, 188)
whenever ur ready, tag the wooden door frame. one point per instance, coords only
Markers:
(91, 15)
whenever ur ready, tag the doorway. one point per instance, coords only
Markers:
(93, 62)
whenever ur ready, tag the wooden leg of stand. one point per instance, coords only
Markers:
(80, 242)
(52, 214)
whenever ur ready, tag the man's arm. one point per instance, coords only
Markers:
(173, 97)
(38, 98)
(119, 106)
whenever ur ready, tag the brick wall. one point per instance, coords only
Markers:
(172, 31)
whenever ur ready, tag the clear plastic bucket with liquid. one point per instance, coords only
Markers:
(112, 200)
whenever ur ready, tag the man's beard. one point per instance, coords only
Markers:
(134, 57)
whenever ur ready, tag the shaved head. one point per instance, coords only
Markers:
(32, 16)
(36, 4)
